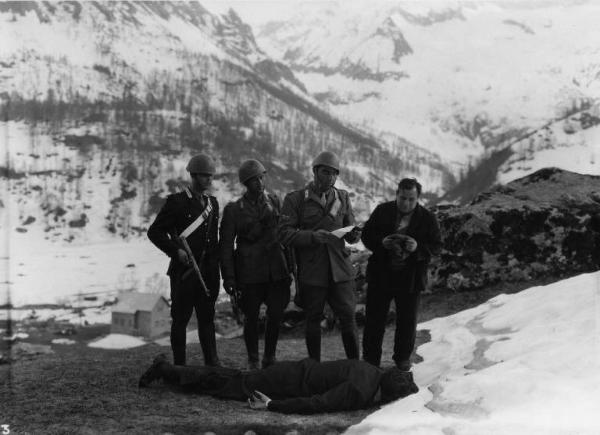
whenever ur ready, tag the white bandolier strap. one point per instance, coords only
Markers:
(337, 204)
(199, 221)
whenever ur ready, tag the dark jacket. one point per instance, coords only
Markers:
(301, 215)
(258, 256)
(423, 227)
(178, 212)
(297, 387)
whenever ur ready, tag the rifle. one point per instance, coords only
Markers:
(290, 259)
(186, 248)
(234, 300)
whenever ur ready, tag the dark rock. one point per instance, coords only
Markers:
(547, 223)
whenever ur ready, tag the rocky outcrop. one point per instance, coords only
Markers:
(545, 224)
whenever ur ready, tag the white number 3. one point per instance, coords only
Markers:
(5, 429)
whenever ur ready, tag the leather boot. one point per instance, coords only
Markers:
(209, 345)
(313, 345)
(350, 342)
(179, 355)
(271, 337)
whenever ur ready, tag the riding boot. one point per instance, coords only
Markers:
(208, 344)
(179, 355)
(313, 345)
(350, 342)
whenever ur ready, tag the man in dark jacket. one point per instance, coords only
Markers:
(292, 387)
(186, 230)
(403, 236)
(256, 270)
(325, 273)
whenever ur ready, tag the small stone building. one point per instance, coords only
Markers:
(142, 314)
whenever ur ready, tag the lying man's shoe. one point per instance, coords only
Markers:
(154, 372)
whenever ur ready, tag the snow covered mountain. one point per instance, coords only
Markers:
(101, 106)
(461, 79)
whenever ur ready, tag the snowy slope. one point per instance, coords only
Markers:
(450, 76)
(91, 49)
(527, 363)
(102, 105)
(572, 144)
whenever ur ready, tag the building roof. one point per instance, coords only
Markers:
(130, 302)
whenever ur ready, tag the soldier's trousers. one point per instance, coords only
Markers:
(342, 299)
(377, 307)
(187, 295)
(275, 295)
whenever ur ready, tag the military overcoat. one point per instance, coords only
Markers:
(250, 250)
(302, 214)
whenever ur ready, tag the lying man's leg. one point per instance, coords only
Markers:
(201, 379)
(160, 369)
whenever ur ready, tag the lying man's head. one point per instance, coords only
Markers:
(396, 384)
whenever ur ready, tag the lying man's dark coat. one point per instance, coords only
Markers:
(295, 387)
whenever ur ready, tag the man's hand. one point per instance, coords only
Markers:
(410, 244)
(229, 286)
(258, 400)
(324, 236)
(183, 257)
(354, 235)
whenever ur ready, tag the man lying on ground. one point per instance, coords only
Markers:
(291, 387)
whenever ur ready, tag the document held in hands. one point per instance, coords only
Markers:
(341, 232)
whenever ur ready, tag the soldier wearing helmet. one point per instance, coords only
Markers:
(255, 270)
(325, 273)
(193, 216)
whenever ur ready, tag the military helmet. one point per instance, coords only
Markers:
(327, 158)
(201, 164)
(250, 168)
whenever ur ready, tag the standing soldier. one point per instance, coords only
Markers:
(324, 269)
(255, 271)
(186, 230)
(403, 236)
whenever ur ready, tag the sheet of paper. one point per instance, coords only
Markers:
(341, 232)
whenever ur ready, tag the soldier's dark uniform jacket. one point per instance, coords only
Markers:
(258, 257)
(178, 212)
(301, 215)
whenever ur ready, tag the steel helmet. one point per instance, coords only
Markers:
(327, 158)
(250, 168)
(201, 164)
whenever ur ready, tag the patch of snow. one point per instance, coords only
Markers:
(65, 341)
(117, 341)
(526, 363)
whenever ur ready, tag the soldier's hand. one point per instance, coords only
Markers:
(324, 236)
(354, 235)
(410, 244)
(183, 257)
(229, 287)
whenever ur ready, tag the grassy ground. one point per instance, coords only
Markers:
(78, 389)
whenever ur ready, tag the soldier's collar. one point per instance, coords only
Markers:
(191, 194)
(313, 188)
(258, 200)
